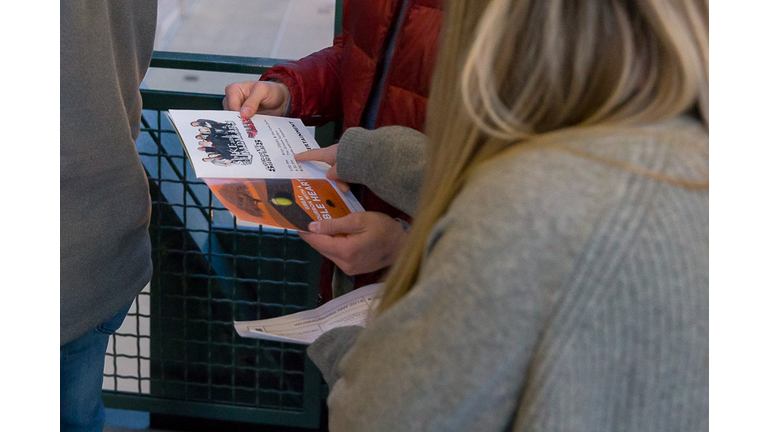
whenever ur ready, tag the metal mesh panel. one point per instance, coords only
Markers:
(126, 368)
(178, 342)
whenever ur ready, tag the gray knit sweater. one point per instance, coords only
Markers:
(556, 294)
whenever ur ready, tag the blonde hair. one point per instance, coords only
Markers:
(536, 66)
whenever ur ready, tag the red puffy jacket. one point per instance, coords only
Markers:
(336, 82)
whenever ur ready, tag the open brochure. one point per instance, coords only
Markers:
(304, 327)
(249, 165)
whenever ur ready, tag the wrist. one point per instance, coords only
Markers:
(285, 96)
(401, 236)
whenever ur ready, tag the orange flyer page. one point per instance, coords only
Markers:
(284, 203)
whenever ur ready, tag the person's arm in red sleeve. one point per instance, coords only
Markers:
(313, 83)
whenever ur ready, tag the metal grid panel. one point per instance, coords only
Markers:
(127, 361)
(210, 270)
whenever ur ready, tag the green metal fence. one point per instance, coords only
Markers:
(182, 356)
(210, 270)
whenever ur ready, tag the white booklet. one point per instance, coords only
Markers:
(304, 327)
(249, 165)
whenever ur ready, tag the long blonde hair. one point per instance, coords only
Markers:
(536, 66)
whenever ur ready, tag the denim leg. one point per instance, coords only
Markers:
(81, 374)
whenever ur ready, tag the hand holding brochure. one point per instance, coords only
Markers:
(249, 165)
(304, 327)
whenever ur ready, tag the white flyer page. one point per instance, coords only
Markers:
(223, 144)
(304, 327)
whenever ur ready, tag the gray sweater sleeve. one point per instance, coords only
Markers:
(390, 161)
(326, 352)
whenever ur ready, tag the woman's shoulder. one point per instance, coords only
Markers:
(560, 183)
(575, 162)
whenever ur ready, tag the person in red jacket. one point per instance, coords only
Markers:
(377, 73)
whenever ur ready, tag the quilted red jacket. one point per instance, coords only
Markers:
(336, 82)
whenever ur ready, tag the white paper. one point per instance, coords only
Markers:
(351, 309)
(261, 147)
(249, 165)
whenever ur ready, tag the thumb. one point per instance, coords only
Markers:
(344, 225)
(333, 175)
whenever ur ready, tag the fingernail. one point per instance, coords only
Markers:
(247, 112)
(314, 227)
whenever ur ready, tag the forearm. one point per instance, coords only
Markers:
(390, 161)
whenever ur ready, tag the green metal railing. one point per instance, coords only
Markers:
(210, 270)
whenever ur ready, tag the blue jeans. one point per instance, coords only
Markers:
(81, 376)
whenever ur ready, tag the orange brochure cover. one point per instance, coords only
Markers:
(249, 165)
(285, 203)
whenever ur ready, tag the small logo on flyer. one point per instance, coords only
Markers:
(250, 128)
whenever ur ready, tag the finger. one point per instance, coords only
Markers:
(329, 247)
(343, 186)
(234, 95)
(327, 155)
(258, 92)
(333, 175)
(348, 224)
